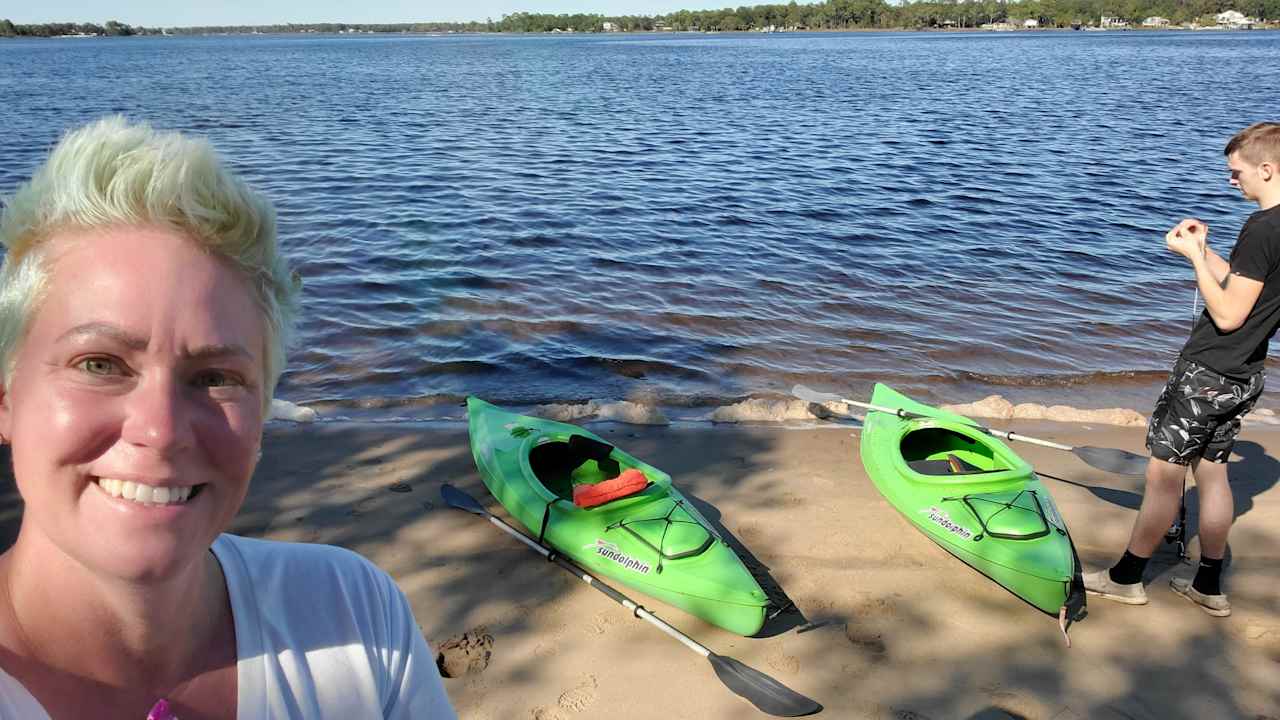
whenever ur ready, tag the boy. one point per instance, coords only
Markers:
(1215, 382)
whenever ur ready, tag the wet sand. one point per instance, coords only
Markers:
(887, 625)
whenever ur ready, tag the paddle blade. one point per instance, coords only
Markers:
(810, 395)
(767, 694)
(1120, 462)
(461, 500)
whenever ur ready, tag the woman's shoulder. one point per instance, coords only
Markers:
(300, 609)
(275, 555)
(298, 572)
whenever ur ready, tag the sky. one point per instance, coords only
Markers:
(167, 13)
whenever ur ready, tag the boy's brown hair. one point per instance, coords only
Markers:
(1257, 143)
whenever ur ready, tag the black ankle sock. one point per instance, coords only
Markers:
(1208, 576)
(1129, 570)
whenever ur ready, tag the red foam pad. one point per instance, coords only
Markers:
(630, 482)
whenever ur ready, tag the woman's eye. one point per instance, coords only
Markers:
(214, 379)
(98, 366)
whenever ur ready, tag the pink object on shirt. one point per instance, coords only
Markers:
(161, 711)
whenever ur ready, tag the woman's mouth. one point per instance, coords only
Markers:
(148, 494)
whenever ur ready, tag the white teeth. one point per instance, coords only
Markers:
(146, 494)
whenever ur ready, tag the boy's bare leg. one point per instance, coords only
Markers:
(1217, 508)
(1160, 502)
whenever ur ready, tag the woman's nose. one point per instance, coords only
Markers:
(158, 416)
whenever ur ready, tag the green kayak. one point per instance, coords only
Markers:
(652, 540)
(971, 494)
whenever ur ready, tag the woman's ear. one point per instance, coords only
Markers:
(6, 418)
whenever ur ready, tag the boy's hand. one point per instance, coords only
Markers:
(1188, 238)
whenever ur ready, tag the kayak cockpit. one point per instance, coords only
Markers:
(944, 454)
(942, 451)
(561, 464)
(667, 526)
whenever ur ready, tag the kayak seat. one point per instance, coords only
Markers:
(939, 451)
(630, 482)
(559, 465)
(952, 465)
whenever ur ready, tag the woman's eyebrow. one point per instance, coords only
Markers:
(213, 352)
(107, 330)
(138, 343)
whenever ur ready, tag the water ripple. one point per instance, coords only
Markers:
(688, 217)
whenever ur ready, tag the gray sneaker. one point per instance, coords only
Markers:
(1215, 605)
(1100, 583)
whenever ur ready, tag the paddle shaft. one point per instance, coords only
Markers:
(614, 595)
(1006, 434)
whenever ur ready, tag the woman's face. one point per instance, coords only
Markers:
(141, 376)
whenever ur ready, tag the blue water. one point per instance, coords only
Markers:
(693, 219)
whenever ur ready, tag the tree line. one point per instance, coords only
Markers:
(829, 15)
(110, 28)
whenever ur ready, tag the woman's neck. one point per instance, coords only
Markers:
(111, 631)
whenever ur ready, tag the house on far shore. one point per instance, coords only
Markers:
(1031, 23)
(1236, 20)
(1113, 23)
(1155, 21)
(609, 27)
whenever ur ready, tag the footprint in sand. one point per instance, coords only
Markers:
(1012, 705)
(581, 696)
(570, 702)
(467, 654)
(779, 660)
(867, 640)
(1264, 637)
(599, 624)
(871, 616)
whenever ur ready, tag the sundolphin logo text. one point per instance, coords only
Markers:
(611, 551)
(940, 518)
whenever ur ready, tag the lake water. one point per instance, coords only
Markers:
(696, 219)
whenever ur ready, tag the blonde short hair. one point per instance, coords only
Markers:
(1257, 144)
(114, 172)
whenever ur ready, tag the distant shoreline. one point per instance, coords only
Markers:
(828, 16)
(822, 31)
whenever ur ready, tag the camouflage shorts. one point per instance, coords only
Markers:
(1198, 414)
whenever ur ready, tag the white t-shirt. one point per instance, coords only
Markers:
(320, 633)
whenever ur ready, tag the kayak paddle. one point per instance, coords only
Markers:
(767, 694)
(1120, 462)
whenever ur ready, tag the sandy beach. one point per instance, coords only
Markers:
(887, 625)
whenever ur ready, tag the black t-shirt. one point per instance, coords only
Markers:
(1241, 352)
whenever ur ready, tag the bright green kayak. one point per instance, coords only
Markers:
(971, 494)
(654, 540)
